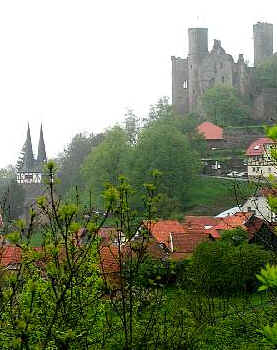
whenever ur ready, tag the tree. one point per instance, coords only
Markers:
(162, 146)
(12, 196)
(131, 124)
(235, 237)
(223, 106)
(71, 160)
(160, 110)
(221, 268)
(57, 296)
(106, 161)
(266, 73)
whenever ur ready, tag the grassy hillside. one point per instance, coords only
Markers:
(210, 196)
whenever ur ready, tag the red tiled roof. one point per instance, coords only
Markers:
(109, 259)
(160, 230)
(230, 222)
(210, 131)
(254, 226)
(199, 221)
(184, 245)
(198, 224)
(107, 235)
(267, 192)
(257, 147)
(109, 255)
(10, 255)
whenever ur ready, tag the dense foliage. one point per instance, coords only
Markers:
(222, 267)
(72, 158)
(12, 195)
(266, 73)
(58, 297)
(165, 142)
(224, 107)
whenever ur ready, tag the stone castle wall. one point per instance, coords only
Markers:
(201, 70)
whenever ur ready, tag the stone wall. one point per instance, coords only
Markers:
(265, 105)
(241, 138)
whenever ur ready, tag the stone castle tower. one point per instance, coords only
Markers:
(263, 42)
(202, 69)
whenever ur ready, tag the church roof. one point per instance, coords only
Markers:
(41, 158)
(28, 159)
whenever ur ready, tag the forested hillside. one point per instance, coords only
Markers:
(162, 141)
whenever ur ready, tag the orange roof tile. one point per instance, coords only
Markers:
(201, 220)
(210, 131)
(201, 224)
(109, 255)
(160, 230)
(230, 222)
(184, 244)
(254, 226)
(9, 255)
(109, 259)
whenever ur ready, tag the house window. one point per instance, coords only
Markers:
(269, 170)
(185, 85)
(253, 169)
(221, 65)
(222, 80)
(191, 66)
(193, 92)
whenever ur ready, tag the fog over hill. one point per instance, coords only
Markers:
(77, 66)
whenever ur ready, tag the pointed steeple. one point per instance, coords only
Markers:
(28, 159)
(41, 158)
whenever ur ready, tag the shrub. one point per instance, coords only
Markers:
(220, 268)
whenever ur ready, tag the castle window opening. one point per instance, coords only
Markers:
(185, 85)
(211, 82)
(191, 66)
(222, 79)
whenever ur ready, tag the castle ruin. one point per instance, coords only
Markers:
(202, 69)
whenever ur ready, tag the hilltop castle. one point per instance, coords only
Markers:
(202, 69)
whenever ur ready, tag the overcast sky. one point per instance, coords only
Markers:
(78, 65)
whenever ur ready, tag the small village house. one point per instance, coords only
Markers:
(260, 162)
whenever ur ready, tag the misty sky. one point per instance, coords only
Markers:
(78, 65)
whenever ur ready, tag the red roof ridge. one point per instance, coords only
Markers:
(210, 131)
(257, 146)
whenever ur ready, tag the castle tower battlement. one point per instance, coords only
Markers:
(198, 49)
(202, 69)
(263, 41)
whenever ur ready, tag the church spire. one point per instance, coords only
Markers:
(41, 158)
(28, 159)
